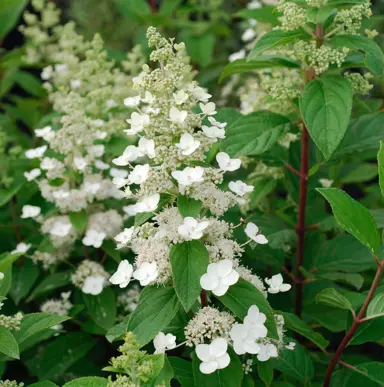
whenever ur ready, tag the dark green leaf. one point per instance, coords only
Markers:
(79, 220)
(90, 381)
(8, 344)
(332, 297)
(353, 217)
(30, 84)
(265, 371)
(325, 106)
(266, 14)
(189, 261)
(275, 38)
(188, 206)
(156, 309)
(23, 278)
(10, 12)
(376, 306)
(380, 161)
(50, 283)
(182, 371)
(255, 133)
(370, 375)
(102, 308)
(117, 331)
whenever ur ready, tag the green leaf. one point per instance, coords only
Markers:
(353, 217)
(165, 375)
(374, 57)
(200, 47)
(189, 261)
(10, 12)
(89, 381)
(380, 161)
(265, 371)
(168, 7)
(228, 115)
(23, 278)
(79, 220)
(296, 364)
(156, 309)
(254, 133)
(295, 324)
(109, 247)
(7, 259)
(261, 62)
(46, 383)
(132, 9)
(376, 306)
(117, 331)
(275, 38)
(325, 106)
(5, 283)
(7, 194)
(354, 279)
(371, 375)
(241, 296)
(36, 322)
(188, 206)
(62, 353)
(360, 173)
(266, 14)
(230, 376)
(102, 308)
(362, 134)
(370, 331)
(182, 371)
(342, 253)
(53, 281)
(320, 15)
(30, 83)
(8, 344)
(332, 297)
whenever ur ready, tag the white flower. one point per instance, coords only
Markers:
(213, 132)
(79, 162)
(189, 175)
(61, 68)
(60, 229)
(91, 188)
(32, 174)
(139, 174)
(101, 165)
(219, 277)
(46, 73)
(326, 183)
(30, 211)
(147, 147)
(116, 172)
(148, 204)
(21, 248)
(110, 103)
(192, 229)
(276, 284)
(75, 83)
(1, 275)
(252, 232)
(96, 150)
(249, 34)
(123, 274)
(130, 210)
(244, 336)
(291, 346)
(266, 352)
(94, 238)
(124, 237)
(131, 153)
(214, 356)
(240, 188)
(119, 181)
(46, 133)
(199, 93)
(180, 97)
(213, 122)
(208, 109)
(138, 122)
(226, 163)
(163, 342)
(148, 98)
(146, 273)
(177, 116)
(237, 55)
(132, 102)
(187, 144)
(254, 4)
(60, 194)
(35, 153)
(93, 285)
(48, 163)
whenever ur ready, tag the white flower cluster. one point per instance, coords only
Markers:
(60, 307)
(90, 277)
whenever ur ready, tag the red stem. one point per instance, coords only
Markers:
(300, 229)
(153, 6)
(203, 298)
(356, 323)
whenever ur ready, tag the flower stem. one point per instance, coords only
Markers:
(203, 298)
(356, 323)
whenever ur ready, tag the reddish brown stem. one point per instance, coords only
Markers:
(356, 323)
(300, 229)
(153, 6)
(292, 169)
(203, 298)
